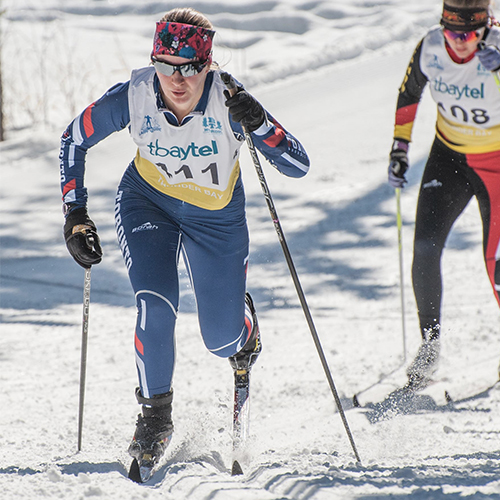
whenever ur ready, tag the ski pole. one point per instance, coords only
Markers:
(399, 220)
(83, 361)
(231, 85)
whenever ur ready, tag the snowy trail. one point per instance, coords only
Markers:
(351, 299)
(340, 225)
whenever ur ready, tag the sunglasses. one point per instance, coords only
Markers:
(466, 36)
(186, 70)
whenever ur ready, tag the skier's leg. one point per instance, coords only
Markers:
(150, 241)
(248, 354)
(444, 193)
(215, 249)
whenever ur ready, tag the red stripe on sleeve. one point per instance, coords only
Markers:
(276, 138)
(69, 186)
(406, 115)
(87, 121)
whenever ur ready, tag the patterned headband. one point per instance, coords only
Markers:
(183, 40)
(464, 18)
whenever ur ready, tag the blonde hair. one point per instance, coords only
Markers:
(468, 3)
(187, 15)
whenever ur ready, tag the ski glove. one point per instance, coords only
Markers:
(245, 108)
(489, 55)
(398, 163)
(81, 238)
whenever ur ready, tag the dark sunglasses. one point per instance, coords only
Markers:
(465, 36)
(186, 70)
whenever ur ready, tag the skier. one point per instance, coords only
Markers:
(460, 60)
(182, 193)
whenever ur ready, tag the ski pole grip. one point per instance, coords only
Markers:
(229, 82)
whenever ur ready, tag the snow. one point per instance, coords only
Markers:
(329, 72)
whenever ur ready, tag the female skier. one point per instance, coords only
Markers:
(182, 193)
(459, 60)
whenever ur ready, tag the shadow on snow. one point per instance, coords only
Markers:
(38, 274)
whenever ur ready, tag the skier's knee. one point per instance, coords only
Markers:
(149, 300)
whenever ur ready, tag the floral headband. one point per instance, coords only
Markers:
(183, 40)
(464, 18)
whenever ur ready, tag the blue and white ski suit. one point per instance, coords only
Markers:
(182, 193)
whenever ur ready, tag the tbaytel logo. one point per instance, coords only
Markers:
(149, 125)
(179, 152)
(458, 92)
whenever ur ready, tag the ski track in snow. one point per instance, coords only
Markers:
(330, 73)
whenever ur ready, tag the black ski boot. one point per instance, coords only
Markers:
(424, 365)
(152, 434)
(247, 356)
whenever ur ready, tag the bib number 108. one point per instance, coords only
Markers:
(476, 115)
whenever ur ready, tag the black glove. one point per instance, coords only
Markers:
(81, 238)
(398, 163)
(246, 109)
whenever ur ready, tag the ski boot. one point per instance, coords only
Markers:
(424, 365)
(247, 356)
(152, 435)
